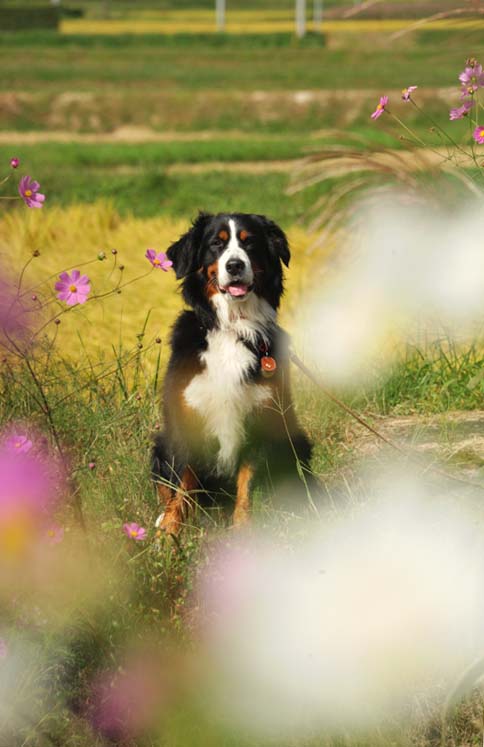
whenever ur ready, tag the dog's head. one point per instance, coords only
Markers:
(233, 254)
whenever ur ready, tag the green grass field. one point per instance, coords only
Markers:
(130, 135)
(285, 99)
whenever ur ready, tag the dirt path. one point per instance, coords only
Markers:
(453, 441)
(126, 135)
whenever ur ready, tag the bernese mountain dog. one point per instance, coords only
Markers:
(228, 414)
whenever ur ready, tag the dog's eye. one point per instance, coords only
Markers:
(244, 235)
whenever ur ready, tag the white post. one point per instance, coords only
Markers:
(300, 18)
(220, 14)
(317, 15)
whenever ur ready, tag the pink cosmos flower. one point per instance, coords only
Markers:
(16, 444)
(30, 486)
(123, 705)
(3, 648)
(29, 192)
(467, 91)
(380, 107)
(54, 534)
(472, 78)
(461, 111)
(14, 163)
(406, 92)
(159, 260)
(134, 531)
(478, 134)
(73, 288)
(28, 481)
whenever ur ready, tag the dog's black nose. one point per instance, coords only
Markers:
(235, 267)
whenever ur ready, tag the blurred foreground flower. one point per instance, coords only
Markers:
(384, 609)
(54, 534)
(134, 531)
(126, 703)
(14, 320)
(29, 192)
(160, 260)
(29, 485)
(73, 288)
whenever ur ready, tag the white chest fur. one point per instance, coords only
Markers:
(222, 396)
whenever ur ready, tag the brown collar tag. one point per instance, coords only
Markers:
(268, 366)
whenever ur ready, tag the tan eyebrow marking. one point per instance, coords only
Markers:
(223, 235)
(244, 235)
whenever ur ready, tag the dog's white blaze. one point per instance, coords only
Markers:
(222, 397)
(234, 251)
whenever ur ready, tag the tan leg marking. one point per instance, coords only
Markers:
(164, 494)
(242, 502)
(177, 506)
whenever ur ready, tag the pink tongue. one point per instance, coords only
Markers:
(237, 290)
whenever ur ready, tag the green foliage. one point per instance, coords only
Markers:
(158, 154)
(24, 17)
(249, 61)
(441, 378)
(153, 192)
(176, 41)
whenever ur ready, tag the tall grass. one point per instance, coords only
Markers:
(104, 401)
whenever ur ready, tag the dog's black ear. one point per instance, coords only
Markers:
(185, 253)
(278, 243)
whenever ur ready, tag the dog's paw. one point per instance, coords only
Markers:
(168, 523)
(241, 518)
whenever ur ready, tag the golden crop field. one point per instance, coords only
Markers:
(70, 238)
(203, 21)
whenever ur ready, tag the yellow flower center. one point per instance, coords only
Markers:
(18, 444)
(133, 533)
(481, 132)
(73, 288)
(380, 107)
(156, 262)
(28, 193)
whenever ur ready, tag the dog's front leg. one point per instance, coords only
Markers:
(242, 501)
(178, 504)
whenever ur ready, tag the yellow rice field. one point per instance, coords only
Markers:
(176, 22)
(69, 237)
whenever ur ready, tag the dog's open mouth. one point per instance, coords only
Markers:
(237, 289)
